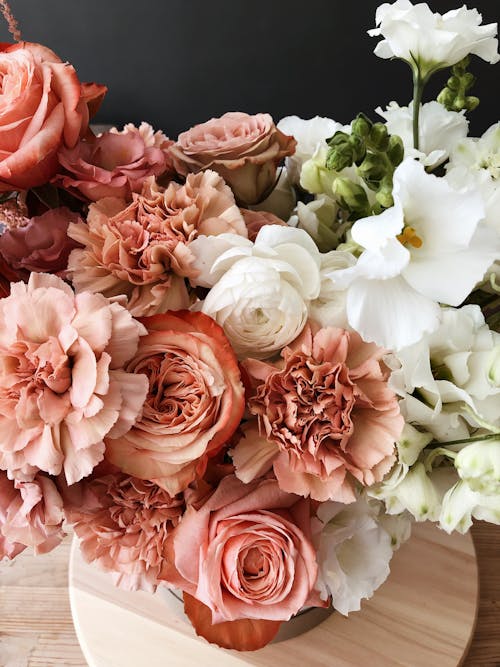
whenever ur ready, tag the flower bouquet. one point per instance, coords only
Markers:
(240, 364)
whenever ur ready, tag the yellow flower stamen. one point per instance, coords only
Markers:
(409, 236)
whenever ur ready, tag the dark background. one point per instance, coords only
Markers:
(178, 62)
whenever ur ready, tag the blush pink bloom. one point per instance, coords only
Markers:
(195, 401)
(115, 164)
(123, 523)
(43, 106)
(62, 387)
(246, 553)
(327, 414)
(255, 220)
(41, 243)
(245, 150)
(31, 515)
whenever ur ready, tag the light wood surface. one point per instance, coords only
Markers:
(36, 628)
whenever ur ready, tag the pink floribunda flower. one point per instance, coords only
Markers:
(255, 220)
(41, 243)
(246, 553)
(123, 523)
(328, 415)
(194, 405)
(115, 164)
(62, 387)
(142, 250)
(31, 515)
(245, 150)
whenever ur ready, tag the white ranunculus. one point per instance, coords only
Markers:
(461, 504)
(439, 132)
(329, 308)
(310, 134)
(476, 163)
(428, 248)
(260, 291)
(479, 465)
(429, 41)
(354, 552)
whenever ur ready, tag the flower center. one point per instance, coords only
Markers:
(410, 237)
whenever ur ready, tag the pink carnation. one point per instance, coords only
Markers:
(31, 515)
(327, 413)
(123, 523)
(115, 164)
(62, 387)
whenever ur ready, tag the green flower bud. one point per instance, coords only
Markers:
(361, 126)
(384, 194)
(395, 150)
(351, 196)
(315, 177)
(379, 137)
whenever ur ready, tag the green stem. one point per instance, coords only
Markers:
(418, 89)
(478, 438)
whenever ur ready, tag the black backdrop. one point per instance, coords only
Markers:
(178, 62)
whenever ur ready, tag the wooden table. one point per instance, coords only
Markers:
(36, 629)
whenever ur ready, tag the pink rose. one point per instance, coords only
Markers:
(41, 243)
(31, 515)
(255, 220)
(115, 164)
(195, 401)
(43, 106)
(123, 523)
(327, 416)
(62, 387)
(245, 150)
(246, 553)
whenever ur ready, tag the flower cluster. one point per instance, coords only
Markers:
(234, 359)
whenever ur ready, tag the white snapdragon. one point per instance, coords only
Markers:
(461, 504)
(440, 130)
(329, 308)
(430, 41)
(428, 248)
(319, 219)
(260, 291)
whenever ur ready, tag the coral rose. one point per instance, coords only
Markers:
(328, 414)
(31, 515)
(115, 164)
(40, 243)
(246, 553)
(43, 105)
(245, 150)
(123, 523)
(62, 387)
(194, 405)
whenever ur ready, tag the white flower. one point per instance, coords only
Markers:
(429, 41)
(329, 308)
(476, 163)
(439, 132)
(282, 199)
(353, 555)
(310, 134)
(461, 504)
(319, 219)
(259, 291)
(479, 465)
(428, 248)
(449, 379)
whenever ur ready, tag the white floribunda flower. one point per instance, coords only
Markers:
(439, 132)
(260, 291)
(430, 41)
(479, 465)
(354, 551)
(428, 248)
(476, 163)
(309, 133)
(450, 379)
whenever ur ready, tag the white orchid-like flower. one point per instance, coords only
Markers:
(476, 163)
(309, 134)
(428, 248)
(354, 552)
(440, 130)
(430, 41)
(260, 291)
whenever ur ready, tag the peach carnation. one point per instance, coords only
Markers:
(194, 405)
(255, 220)
(62, 387)
(31, 515)
(123, 523)
(328, 415)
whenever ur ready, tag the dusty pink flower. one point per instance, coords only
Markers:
(123, 523)
(246, 553)
(115, 164)
(41, 243)
(31, 515)
(245, 150)
(194, 405)
(62, 387)
(255, 220)
(328, 415)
